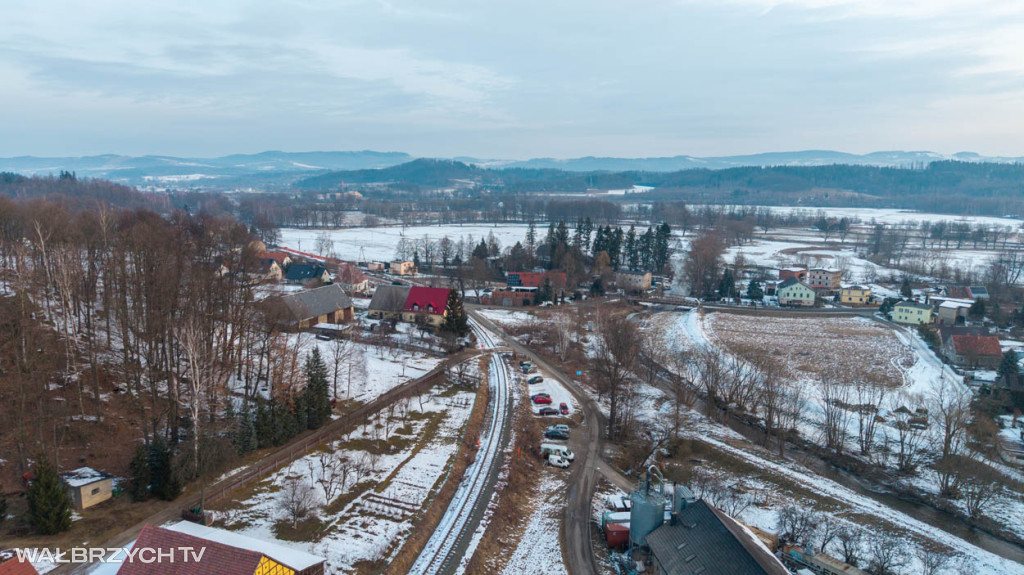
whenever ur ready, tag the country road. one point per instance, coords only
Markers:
(587, 443)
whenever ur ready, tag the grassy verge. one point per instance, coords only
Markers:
(435, 508)
(516, 500)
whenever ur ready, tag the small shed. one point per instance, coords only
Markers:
(88, 487)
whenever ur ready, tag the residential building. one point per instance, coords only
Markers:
(388, 301)
(947, 331)
(978, 292)
(796, 293)
(352, 278)
(633, 281)
(953, 311)
(855, 295)
(973, 351)
(824, 278)
(377, 267)
(88, 487)
(304, 273)
(326, 304)
(702, 539)
(426, 305)
(788, 273)
(912, 313)
(283, 259)
(224, 553)
(535, 279)
(402, 268)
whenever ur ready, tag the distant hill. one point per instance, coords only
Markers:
(320, 170)
(802, 158)
(225, 170)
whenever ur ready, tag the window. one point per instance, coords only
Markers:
(95, 491)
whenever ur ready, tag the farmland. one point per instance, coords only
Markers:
(854, 350)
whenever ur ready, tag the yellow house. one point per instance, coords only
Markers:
(402, 268)
(855, 295)
(912, 313)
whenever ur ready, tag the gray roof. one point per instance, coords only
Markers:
(792, 281)
(389, 298)
(316, 302)
(706, 541)
(304, 271)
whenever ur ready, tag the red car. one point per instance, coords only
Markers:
(564, 409)
(547, 411)
(542, 399)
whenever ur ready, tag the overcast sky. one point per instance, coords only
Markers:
(515, 79)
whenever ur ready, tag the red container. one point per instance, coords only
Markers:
(616, 534)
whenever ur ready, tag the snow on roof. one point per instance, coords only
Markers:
(83, 476)
(293, 558)
(985, 375)
(954, 304)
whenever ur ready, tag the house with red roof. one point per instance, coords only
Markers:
(425, 305)
(192, 549)
(11, 564)
(972, 351)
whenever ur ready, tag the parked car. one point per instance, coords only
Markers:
(523, 362)
(547, 411)
(561, 450)
(564, 409)
(543, 399)
(323, 337)
(560, 427)
(536, 395)
(556, 460)
(546, 304)
(556, 435)
(535, 379)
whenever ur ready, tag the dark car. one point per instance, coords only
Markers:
(564, 409)
(547, 411)
(535, 379)
(552, 434)
(523, 362)
(542, 399)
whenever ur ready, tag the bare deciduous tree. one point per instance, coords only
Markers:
(887, 554)
(296, 498)
(614, 358)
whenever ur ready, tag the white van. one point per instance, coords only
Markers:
(562, 451)
(557, 461)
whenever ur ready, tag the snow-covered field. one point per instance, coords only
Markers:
(854, 349)
(380, 243)
(891, 216)
(394, 487)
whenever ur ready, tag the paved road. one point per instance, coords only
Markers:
(447, 548)
(587, 443)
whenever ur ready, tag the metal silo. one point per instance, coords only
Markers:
(648, 510)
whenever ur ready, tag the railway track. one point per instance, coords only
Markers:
(444, 551)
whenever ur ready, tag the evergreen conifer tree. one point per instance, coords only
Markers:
(141, 475)
(164, 480)
(754, 291)
(49, 505)
(316, 396)
(245, 438)
(455, 320)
